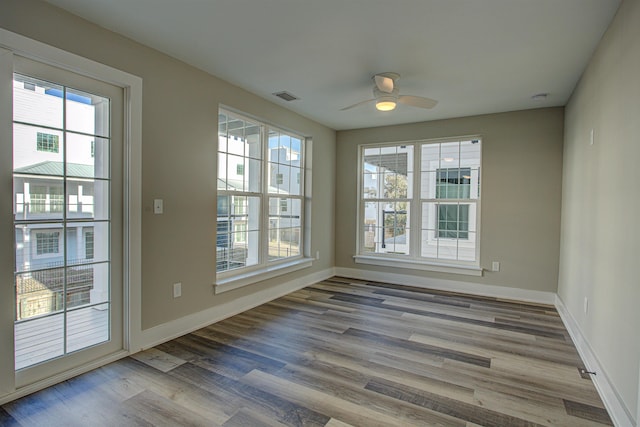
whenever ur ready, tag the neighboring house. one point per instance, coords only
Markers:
(39, 191)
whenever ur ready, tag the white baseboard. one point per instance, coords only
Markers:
(502, 292)
(618, 412)
(184, 325)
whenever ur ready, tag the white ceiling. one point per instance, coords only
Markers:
(473, 56)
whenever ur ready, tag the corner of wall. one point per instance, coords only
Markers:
(619, 413)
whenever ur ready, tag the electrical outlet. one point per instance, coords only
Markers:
(177, 290)
(317, 255)
(495, 266)
(586, 305)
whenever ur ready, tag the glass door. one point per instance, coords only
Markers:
(67, 198)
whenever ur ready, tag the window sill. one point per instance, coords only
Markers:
(419, 265)
(250, 277)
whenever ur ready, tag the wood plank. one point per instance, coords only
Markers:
(341, 352)
(587, 412)
(457, 409)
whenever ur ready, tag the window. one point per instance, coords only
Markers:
(46, 198)
(47, 243)
(47, 142)
(260, 197)
(420, 201)
(453, 219)
(88, 244)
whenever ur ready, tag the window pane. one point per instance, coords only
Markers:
(39, 246)
(37, 151)
(87, 326)
(430, 160)
(284, 227)
(40, 339)
(253, 176)
(87, 284)
(295, 181)
(237, 232)
(387, 172)
(87, 113)
(449, 155)
(39, 292)
(370, 183)
(222, 171)
(37, 102)
(87, 242)
(386, 227)
(429, 185)
(87, 156)
(88, 199)
(470, 152)
(429, 244)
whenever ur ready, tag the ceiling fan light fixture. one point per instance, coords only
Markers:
(385, 104)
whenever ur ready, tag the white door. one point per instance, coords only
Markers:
(68, 213)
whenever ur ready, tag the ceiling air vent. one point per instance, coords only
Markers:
(286, 96)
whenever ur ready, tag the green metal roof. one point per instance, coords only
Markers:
(55, 169)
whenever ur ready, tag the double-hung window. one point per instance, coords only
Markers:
(260, 219)
(420, 202)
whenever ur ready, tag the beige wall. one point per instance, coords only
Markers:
(600, 244)
(521, 191)
(180, 107)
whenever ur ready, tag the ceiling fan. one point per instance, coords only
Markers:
(386, 95)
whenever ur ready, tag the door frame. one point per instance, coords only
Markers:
(10, 44)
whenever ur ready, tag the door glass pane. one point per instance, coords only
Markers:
(61, 189)
(37, 102)
(87, 113)
(33, 346)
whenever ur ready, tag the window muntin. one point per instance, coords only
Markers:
(257, 162)
(428, 215)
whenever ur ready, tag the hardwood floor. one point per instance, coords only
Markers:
(342, 352)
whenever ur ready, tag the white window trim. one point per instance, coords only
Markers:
(244, 276)
(415, 262)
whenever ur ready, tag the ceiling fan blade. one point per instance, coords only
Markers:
(417, 101)
(358, 104)
(385, 84)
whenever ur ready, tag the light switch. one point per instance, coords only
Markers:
(177, 290)
(158, 206)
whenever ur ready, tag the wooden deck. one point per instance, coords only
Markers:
(342, 352)
(42, 339)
